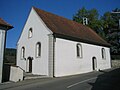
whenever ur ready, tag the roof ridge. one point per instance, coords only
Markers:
(57, 15)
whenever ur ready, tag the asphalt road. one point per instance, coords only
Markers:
(103, 80)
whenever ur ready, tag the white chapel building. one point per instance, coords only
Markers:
(55, 46)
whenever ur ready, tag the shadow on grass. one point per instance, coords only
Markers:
(107, 81)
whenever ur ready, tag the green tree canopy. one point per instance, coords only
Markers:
(111, 28)
(108, 22)
(78, 17)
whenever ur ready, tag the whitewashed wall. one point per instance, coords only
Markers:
(2, 40)
(40, 34)
(67, 62)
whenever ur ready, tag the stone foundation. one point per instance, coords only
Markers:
(115, 63)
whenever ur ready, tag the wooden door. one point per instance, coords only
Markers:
(30, 66)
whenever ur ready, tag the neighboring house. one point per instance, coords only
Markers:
(4, 26)
(55, 46)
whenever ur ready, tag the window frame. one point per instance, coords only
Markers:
(30, 33)
(79, 50)
(38, 54)
(23, 53)
(103, 53)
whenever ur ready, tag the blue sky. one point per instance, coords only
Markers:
(16, 12)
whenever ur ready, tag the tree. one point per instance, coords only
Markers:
(78, 17)
(107, 22)
(112, 30)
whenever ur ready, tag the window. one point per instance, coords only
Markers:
(103, 53)
(38, 49)
(23, 53)
(79, 50)
(30, 33)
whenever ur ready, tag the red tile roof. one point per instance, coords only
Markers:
(5, 24)
(64, 28)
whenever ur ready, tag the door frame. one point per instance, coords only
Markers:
(29, 64)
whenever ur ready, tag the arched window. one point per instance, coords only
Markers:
(38, 49)
(103, 53)
(79, 50)
(30, 33)
(23, 53)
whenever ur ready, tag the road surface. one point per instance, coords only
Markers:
(103, 80)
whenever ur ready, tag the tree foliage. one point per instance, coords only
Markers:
(78, 17)
(10, 56)
(112, 30)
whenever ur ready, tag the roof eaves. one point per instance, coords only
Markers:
(5, 24)
(57, 35)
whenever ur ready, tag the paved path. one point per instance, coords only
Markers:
(103, 80)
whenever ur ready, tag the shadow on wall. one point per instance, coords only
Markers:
(107, 81)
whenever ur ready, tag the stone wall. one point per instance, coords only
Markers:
(115, 63)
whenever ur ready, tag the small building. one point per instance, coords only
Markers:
(54, 46)
(4, 26)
